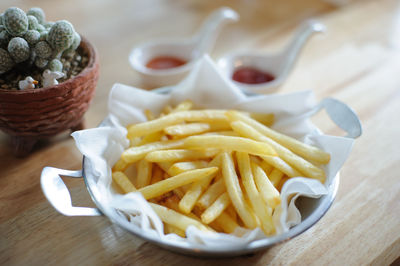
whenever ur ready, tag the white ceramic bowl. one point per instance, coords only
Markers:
(190, 50)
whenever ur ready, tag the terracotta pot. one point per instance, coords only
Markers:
(30, 115)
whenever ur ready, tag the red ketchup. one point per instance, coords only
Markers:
(251, 75)
(165, 62)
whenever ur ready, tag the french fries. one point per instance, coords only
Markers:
(180, 155)
(303, 165)
(144, 173)
(268, 192)
(213, 169)
(308, 152)
(193, 193)
(235, 192)
(181, 167)
(253, 194)
(134, 154)
(174, 118)
(176, 219)
(123, 182)
(177, 181)
(215, 210)
(230, 143)
(211, 194)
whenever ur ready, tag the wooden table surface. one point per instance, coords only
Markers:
(357, 61)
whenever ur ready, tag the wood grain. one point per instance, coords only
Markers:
(356, 61)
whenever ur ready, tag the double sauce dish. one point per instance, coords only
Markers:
(167, 61)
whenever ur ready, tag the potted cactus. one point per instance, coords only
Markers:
(29, 44)
(48, 73)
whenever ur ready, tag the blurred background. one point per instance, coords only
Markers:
(356, 61)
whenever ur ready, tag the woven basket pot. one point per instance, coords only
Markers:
(34, 114)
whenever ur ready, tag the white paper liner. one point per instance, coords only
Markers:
(207, 88)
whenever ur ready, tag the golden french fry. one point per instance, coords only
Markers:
(170, 229)
(176, 219)
(196, 128)
(307, 151)
(222, 133)
(173, 182)
(215, 210)
(298, 162)
(165, 166)
(187, 129)
(253, 194)
(158, 124)
(266, 119)
(120, 166)
(280, 164)
(183, 106)
(234, 191)
(134, 141)
(229, 143)
(189, 199)
(220, 126)
(226, 223)
(167, 109)
(211, 194)
(149, 114)
(123, 182)
(134, 154)
(153, 137)
(181, 167)
(275, 177)
(173, 203)
(144, 173)
(193, 193)
(180, 155)
(267, 190)
(266, 166)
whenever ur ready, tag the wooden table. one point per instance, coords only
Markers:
(357, 61)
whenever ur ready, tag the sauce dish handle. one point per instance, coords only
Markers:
(293, 48)
(58, 194)
(208, 32)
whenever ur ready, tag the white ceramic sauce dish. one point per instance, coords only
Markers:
(189, 50)
(278, 65)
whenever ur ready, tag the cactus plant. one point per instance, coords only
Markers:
(55, 65)
(15, 21)
(75, 43)
(6, 62)
(32, 37)
(18, 49)
(4, 38)
(33, 23)
(28, 41)
(61, 36)
(43, 50)
(38, 13)
(41, 62)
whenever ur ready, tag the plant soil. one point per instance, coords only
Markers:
(73, 64)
